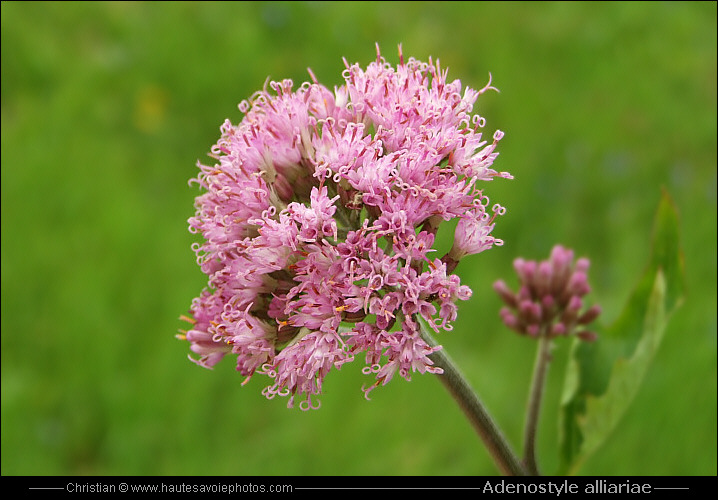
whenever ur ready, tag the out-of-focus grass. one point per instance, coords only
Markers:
(107, 106)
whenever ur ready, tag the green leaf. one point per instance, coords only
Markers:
(603, 377)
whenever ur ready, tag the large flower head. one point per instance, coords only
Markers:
(318, 219)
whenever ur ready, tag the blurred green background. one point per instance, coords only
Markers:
(106, 107)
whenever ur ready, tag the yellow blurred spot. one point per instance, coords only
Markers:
(150, 109)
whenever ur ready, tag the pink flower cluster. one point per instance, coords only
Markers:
(549, 302)
(319, 217)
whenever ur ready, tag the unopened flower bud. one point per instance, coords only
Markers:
(590, 315)
(587, 336)
(506, 295)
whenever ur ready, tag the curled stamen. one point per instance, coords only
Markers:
(498, 209)
(478, 121)
(367, 390)
(488, 86)
(269, 392)
(268, 370)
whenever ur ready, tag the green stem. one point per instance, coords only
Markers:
(473, 408)
(543, 358)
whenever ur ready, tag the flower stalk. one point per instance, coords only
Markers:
(469, 402)
(548, 305)
(543, 358)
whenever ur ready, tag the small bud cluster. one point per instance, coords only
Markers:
(549, 301)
